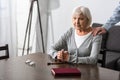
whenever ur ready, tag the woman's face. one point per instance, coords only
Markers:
(79, 21)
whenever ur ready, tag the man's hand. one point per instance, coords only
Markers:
(98, 30)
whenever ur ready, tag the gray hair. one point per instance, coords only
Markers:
(84, 11)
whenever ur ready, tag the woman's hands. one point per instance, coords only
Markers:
(63, 55)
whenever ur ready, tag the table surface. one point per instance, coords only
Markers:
(17, 69)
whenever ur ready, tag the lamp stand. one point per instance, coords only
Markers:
(28, 28)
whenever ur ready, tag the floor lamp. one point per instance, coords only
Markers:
(28, 28)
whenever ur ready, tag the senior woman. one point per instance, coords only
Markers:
(78, 45)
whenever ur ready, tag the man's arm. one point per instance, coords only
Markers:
(115, 18)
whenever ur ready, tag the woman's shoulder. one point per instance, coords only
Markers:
(70, 31)
(97, 37)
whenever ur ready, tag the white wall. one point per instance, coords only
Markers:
(101, 10)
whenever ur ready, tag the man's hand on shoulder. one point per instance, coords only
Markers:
(98, 30)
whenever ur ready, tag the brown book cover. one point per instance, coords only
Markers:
(65, 72)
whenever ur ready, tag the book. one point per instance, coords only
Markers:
(66, 72)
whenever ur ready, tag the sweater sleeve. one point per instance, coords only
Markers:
(60, 44)
(92, 59)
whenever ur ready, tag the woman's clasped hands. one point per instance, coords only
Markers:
(63, 55)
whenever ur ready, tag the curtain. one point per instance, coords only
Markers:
(8, 28)
(46, 6)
